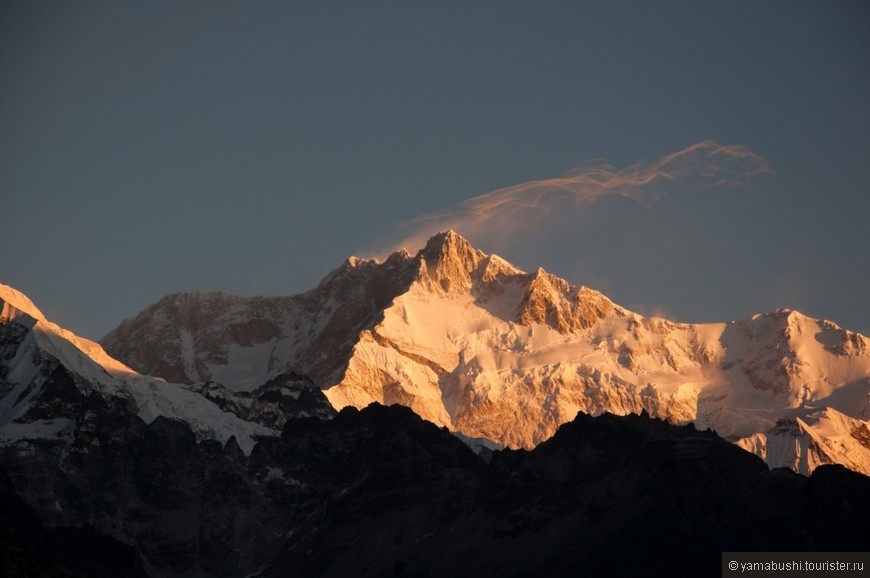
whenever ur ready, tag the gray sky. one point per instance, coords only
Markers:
(147, 148)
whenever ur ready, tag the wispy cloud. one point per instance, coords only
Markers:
(518, 208)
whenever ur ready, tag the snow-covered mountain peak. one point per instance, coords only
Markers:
(61, 344)
(51, 379)
(447, 262)
(472, 343)
(11, 299)
(553, 301)
(351, 266)
(541, 280)
(446, 241)
(494, 267)
(450, 264)
(398, 269)
(807, 438)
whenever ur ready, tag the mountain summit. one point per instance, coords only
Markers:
(107, 472)
(472, 343)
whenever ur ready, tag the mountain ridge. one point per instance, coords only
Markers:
(474, 344)
(43, 366)
(195, 480)
(470, 342)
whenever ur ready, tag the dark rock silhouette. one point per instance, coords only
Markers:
(380, 492)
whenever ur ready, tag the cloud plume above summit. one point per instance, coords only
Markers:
(517, 208)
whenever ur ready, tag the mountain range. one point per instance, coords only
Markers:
(471, 343)
(225, 436)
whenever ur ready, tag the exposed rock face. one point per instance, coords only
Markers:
(287, 396)
(551, 301)
(471, 343)
(30, 549)
(175, 319)
(381, 492)
(86, 441)
(447, 263)
(198, 481)
(583, 501)
(242, 342)
(185, 505)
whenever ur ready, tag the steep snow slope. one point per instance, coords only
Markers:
(472, 343)
(40, 362)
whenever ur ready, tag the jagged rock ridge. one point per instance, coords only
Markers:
(52, 381)
(106, 457)
(381, 492)
(474, 344)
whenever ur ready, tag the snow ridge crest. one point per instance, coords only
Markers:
(472, 343)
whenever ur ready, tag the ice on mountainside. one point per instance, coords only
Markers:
(474, 344)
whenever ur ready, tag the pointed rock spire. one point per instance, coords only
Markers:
(553, 301)
(448, 260)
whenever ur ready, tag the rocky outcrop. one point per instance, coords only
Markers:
(551, 301)
(196, 337)
(581, 502)
(30, 549)
(379, 491)
(167, 334)
(447, 263)
(287, 396)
